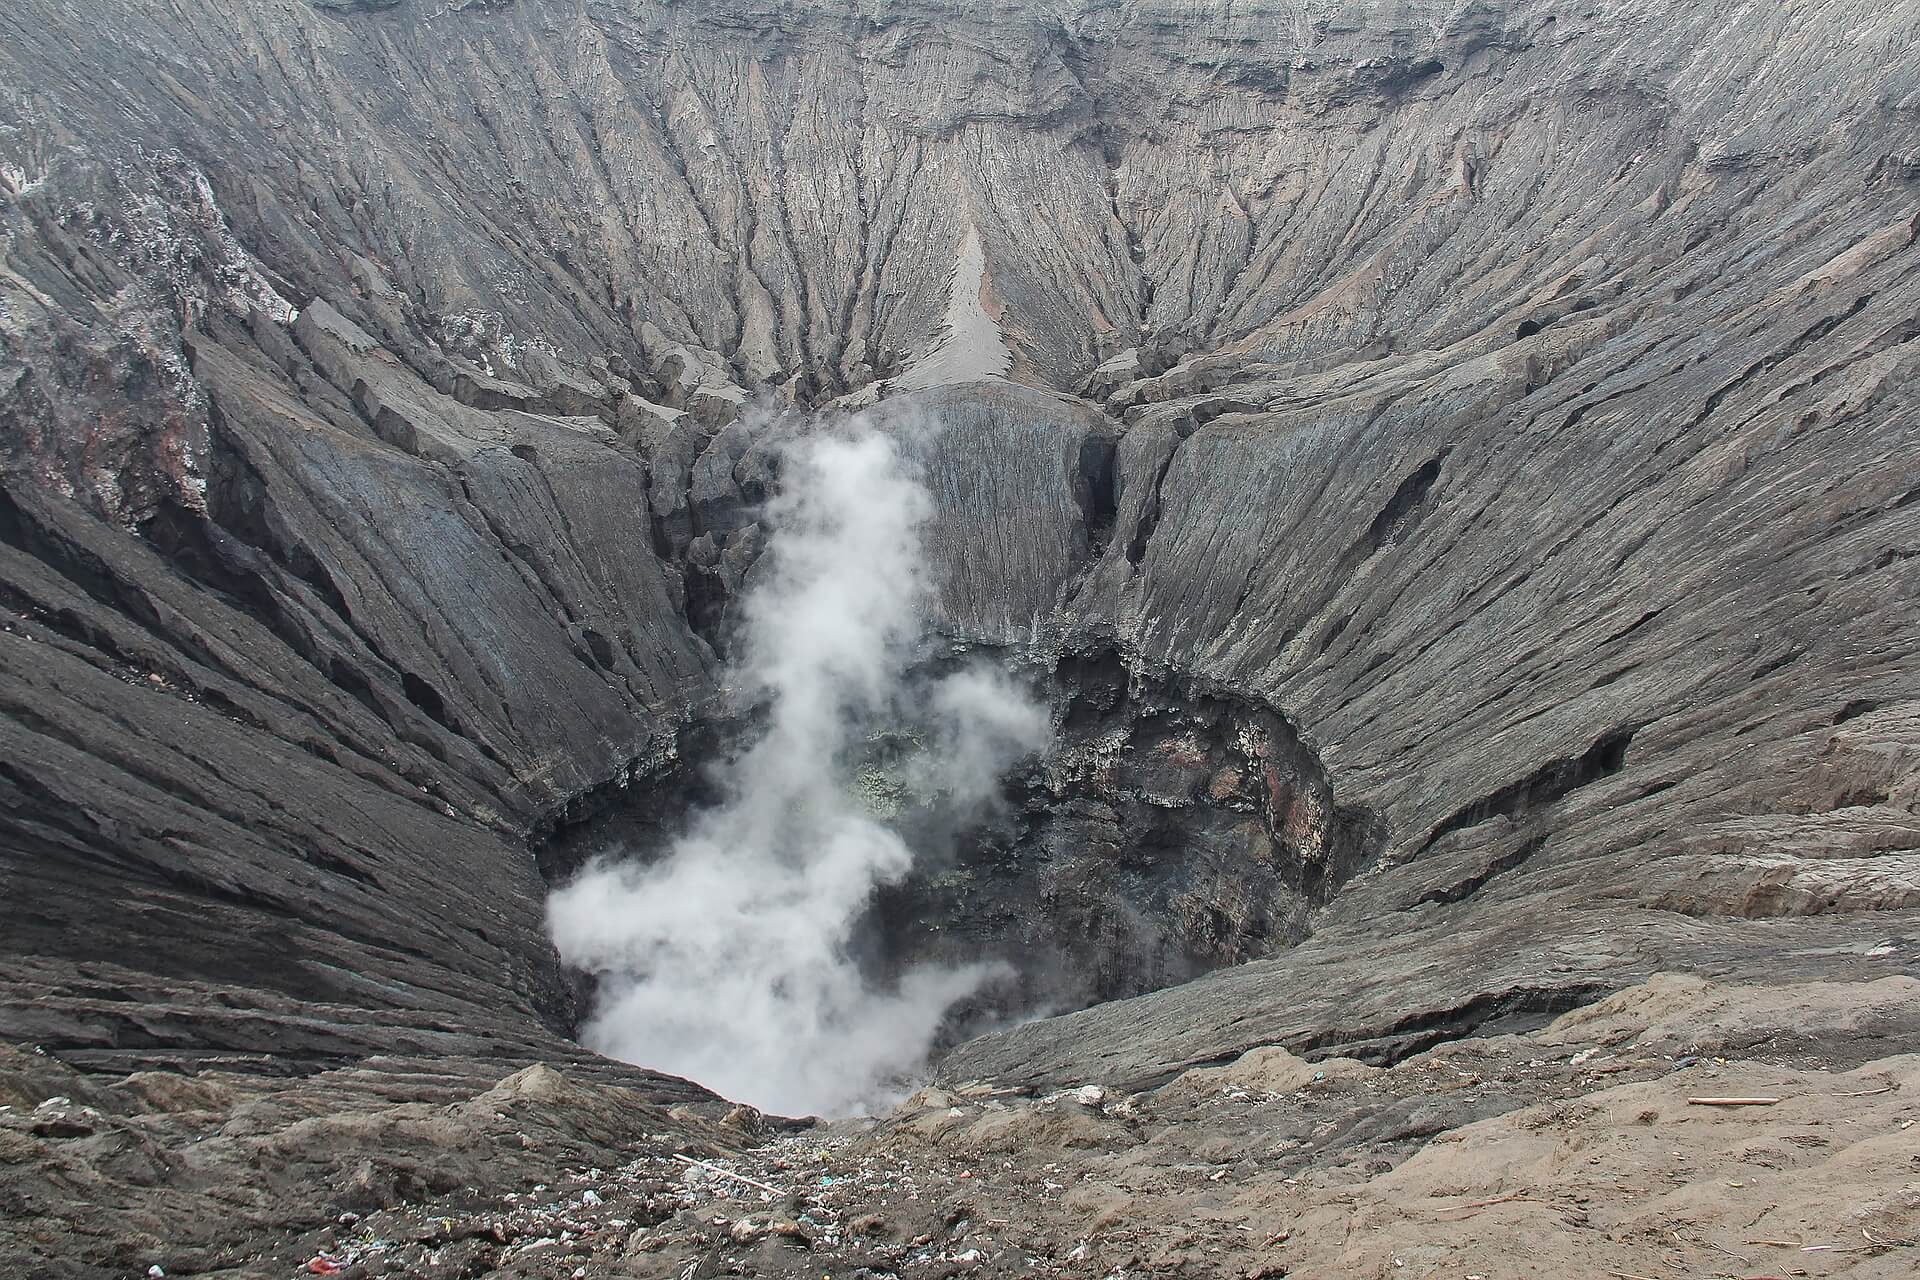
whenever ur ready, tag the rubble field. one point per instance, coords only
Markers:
(1676, 1129)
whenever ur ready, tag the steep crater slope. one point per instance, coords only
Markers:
(1517, 405)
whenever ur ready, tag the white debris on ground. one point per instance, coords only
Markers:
(1580, 1148)
(822, 1193)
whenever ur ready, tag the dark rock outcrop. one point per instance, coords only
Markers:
(1168, 831)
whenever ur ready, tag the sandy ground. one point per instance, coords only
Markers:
(1573, 1151)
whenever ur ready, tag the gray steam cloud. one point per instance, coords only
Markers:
(726, 961)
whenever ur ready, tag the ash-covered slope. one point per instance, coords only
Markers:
(1519, 400)
(796, 185)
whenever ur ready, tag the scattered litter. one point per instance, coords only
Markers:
(911, 1195)
(716, 1169)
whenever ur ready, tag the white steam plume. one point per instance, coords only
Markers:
(726, 960)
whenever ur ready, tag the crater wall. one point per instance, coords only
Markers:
(1518, 400)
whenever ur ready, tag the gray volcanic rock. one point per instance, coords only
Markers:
(357, 598)
(1300, 185)
(1519, 402)
(233, 1171)
(1012, 519)
(1502, 605)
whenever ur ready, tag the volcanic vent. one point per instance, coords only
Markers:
(896, 839)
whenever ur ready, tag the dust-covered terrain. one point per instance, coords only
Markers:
(1587, 1148)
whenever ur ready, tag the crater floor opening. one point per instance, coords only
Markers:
(1170, 829)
